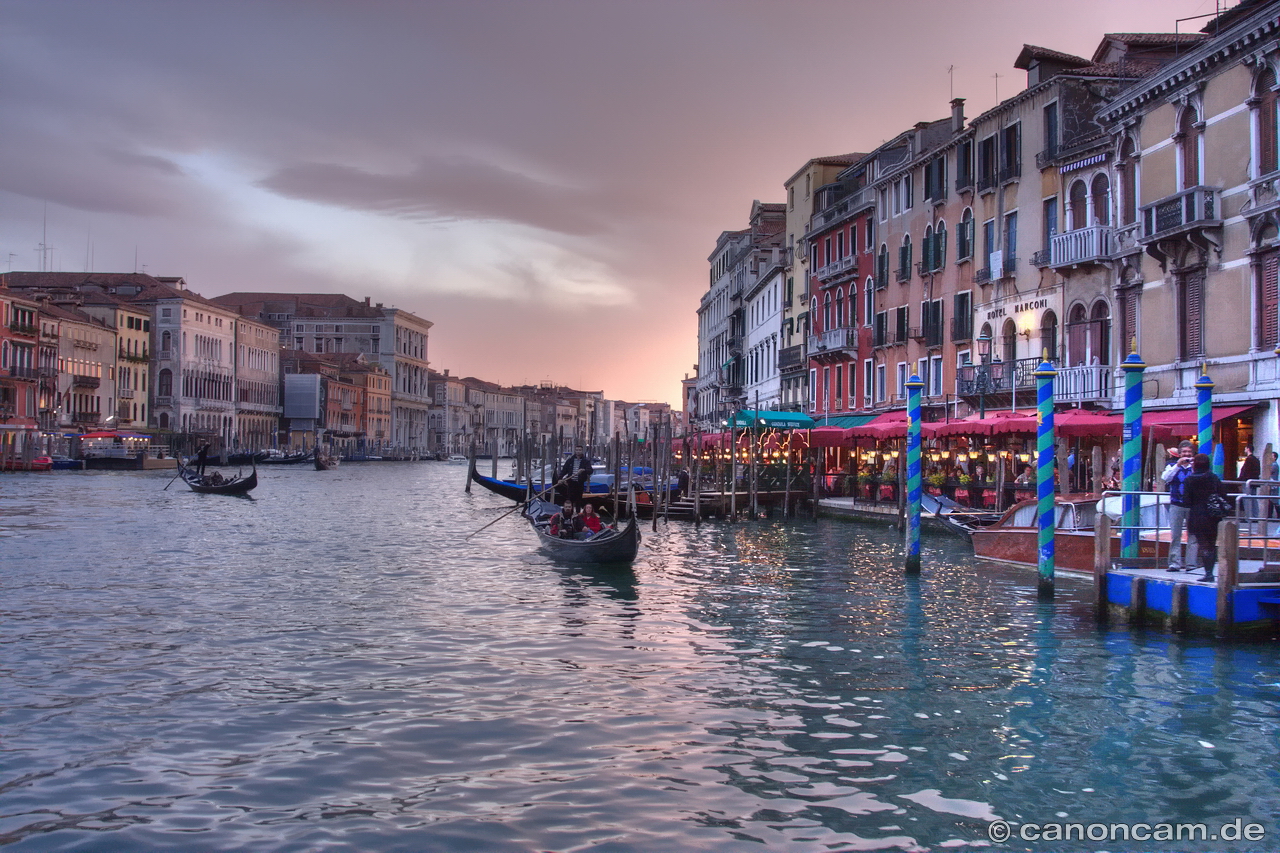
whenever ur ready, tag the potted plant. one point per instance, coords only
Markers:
(936, 482)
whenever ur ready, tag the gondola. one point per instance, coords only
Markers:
(235, 486)
(606, 547)
(324, 461)
(287, 458)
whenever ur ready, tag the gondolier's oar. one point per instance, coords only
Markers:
(175, 478)
(519, 505)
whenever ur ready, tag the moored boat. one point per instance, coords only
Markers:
(325, 461)
(275, 457)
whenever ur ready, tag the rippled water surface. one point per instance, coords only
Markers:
(334, 666)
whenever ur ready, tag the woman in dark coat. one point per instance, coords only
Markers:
(1196, 490)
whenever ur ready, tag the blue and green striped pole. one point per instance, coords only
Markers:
(1045, 374)
(1204, 419)
(1133, 368)
(914, 384)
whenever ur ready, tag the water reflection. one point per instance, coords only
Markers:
(334, 664)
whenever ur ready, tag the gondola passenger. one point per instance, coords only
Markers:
(591, 523)
(566, 524)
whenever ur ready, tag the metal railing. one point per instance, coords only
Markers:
(1083, 383)
(1194, 207)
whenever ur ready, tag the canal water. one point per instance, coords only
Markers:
(335, 665)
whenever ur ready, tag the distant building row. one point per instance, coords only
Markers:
(1133, 196)
(89, 351)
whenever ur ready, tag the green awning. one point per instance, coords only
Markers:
(845, 421)
(776, 420)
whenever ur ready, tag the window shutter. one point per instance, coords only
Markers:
(940, 249)
(1193, 314)
(1269, 300)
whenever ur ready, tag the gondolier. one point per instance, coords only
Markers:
(575, 473)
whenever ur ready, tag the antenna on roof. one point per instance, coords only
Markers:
(997, 76)
(951, 72)
(46, 251)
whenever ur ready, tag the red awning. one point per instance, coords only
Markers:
(1083, 423)
(829, 436)
(1185, 422)
(887, 425)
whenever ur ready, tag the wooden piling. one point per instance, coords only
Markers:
(1228, 572)
(1101, 563)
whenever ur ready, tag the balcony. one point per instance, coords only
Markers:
(790, 358)
(964, 183)
(930, 336)
(86, 417)
(902, 274)
(1192, 210)
(1041, 259)
(998, 379)
(986, 182)
(164, 355)
(1008, 267)
(962, 328)
(1082, 246)
(79, 380)
(124, 393)
(982, 276)
(134, 357)
(23, 372)
(833, 340)
(1045, 158)
(1083, 384)
(1010, 171)
(23, 329)
(882, 280)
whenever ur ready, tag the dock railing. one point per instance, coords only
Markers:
(1152, 525)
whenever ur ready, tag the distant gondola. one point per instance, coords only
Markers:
(204, 484)
(286, 458)
(600, 493)
(324, 461)
(606, 547)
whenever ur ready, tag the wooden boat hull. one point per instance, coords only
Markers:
(599, 493)
(237, 486)
(325, 463)
(291, 459)
(618, 547)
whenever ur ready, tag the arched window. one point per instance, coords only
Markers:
(1188, 138)
(1268, 160)
(826, 311)
(1009, 342)
(939, 246)
(882, 266)
(1078, 206)
(926, 249)
(904, 258)
(1100, 199)
(964, 235)
(1077, 336)
(851, 310)
(1048, 336)
(165, 388)
(1128, 167)
(1100, 333)
(839, 307)
(164, 420)
(868, 301)
(165, 340)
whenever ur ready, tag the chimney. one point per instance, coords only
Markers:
(957, 115)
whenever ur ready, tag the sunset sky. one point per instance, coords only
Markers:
(541, 180)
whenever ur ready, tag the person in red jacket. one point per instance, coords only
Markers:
(566, 523)
(591, 523)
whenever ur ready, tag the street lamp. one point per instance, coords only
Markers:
(982, 379)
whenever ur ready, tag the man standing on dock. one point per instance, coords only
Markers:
(1175, 474)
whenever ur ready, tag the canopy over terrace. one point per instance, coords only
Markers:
(748, 419)
(1184, 423)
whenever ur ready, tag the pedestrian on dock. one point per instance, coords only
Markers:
(1175, 475)
(1201, 523)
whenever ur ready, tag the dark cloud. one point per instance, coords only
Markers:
(445, 188)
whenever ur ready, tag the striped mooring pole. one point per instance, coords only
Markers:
(1204, 419)
(914, 385)
(1133, 368)
(1045, 486)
